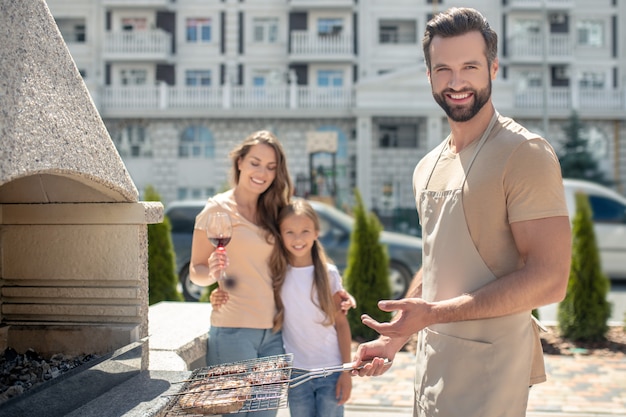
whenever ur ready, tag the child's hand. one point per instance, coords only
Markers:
(218, 298)
(343, 388)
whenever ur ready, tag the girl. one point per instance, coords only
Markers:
(308, 293)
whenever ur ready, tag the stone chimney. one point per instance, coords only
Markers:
(73, 235)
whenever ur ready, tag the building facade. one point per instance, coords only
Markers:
(342, 83)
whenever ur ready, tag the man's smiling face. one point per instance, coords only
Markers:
(460, 75)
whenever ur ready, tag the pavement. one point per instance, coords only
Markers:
(577, 386)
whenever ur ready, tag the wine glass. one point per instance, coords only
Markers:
(219, 230)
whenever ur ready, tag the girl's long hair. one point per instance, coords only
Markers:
(277, 195)
(279, 263)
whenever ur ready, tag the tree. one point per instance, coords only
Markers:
(162, 279)
(583, 314)
(576, 159)
(367, 271)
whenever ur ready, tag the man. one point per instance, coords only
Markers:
(496, 239)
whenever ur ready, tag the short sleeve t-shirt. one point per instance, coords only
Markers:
(251, 302)
(313, 344)
(515, 177)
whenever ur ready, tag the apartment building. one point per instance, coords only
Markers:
(342, 83)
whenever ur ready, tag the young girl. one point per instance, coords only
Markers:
(308, 294)
(311, 310)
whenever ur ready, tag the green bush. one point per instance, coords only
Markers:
(583, 314)
(367, 270)
(162, 278)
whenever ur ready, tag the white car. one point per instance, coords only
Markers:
(609, 218)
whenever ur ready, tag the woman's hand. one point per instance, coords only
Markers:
(218, 298)
(218, 261)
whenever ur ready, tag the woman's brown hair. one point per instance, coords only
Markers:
(279, 263)
(278, 193)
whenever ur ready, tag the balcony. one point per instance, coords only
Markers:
(138, 3)
(566, 98)
(325, 4)
(138, 45)
(310, 45)
(529, 47)
(120, 100)
(538, 4)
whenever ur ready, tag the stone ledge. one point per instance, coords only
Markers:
(177, 335)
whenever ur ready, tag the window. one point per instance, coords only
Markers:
(132, 76)
(530, 79)
(198, 77)
(590, 33)
(526, 27)
(397, 31)
(196, 142)
(591, 79)
(198, 29)
(398, 136)
(330, 78)
(182, 219)
(329, 26)
(560, 76)
(132, 142)
(606, 210)
(265, 29)
(134, 23)
(73, 30)
(258, 80)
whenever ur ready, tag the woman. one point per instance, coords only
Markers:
(242, 328)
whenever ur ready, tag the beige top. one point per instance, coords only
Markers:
(251, 302)
(519, 178)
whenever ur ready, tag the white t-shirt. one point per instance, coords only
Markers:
(313, 344)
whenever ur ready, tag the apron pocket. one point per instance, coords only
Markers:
(453, 375)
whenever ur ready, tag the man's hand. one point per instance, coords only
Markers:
(411, 317)
(376, 352)
(347, 301)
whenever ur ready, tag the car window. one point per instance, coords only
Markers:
(324, 227)
(183, 219)
(606, 210)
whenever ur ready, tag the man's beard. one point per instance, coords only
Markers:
(461, 113)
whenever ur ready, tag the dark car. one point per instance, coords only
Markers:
(405, 251)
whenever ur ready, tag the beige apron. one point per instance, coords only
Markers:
(477, 368)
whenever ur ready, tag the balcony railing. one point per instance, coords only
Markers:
(137, 44)
(309, 4)
(530, 46)
(311, 43)
(537, 4)
(566, 98)
(164, 97)
(138, 3)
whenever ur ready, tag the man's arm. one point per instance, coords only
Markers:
(545, 245)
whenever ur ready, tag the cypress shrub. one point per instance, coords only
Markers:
(162, 278)
(583, 314)
(367, 270)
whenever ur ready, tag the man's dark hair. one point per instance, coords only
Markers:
(456, 22)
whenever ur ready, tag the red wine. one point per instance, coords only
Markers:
(220, 242)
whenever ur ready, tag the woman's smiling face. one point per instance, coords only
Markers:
(257, 168)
